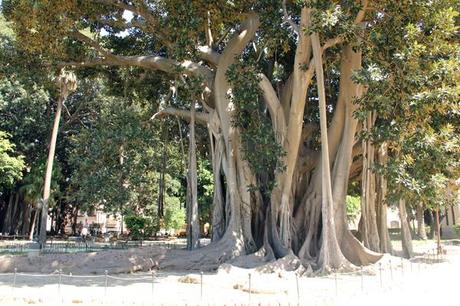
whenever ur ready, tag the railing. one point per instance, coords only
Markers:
(81, 246)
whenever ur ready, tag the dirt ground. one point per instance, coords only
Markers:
(425, 280)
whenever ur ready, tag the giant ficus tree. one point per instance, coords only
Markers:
(281, 160)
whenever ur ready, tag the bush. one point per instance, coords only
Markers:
(174, 215)
(136, 226)
(152, 226)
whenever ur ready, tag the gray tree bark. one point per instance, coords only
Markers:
(406, 238)
(193, 224)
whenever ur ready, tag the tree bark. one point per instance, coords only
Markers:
(331, 256)
(406, 239)
(33, 225)
(7, 219)
(301, 82)
(369, 231)
(381, 204)
(193, 224)
(421, 231)
(49, 171)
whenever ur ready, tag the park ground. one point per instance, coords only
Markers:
(426, 279)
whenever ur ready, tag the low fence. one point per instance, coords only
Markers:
(81, 246)
(203, 289)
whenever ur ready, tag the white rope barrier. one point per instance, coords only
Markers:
(389, 275)
(83, 276)
(130, 278)
(37, 275)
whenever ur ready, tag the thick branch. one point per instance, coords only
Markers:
(227, 58)
(149, 62)
(274, 108)
(202, 118)
(92, 43)
(362, 12)
(209, 55)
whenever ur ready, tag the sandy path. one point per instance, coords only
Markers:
(413, 284)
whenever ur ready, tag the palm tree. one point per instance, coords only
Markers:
(67, 83)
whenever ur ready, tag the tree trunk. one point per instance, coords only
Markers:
(161, 186)
(369, 231)
(15, 215)
(74, 221)
(33, 225)
(26, 217)
(7, 222)
(406, 239)
(49, 171)
(381, 204)
(331, 256)
(305, 212)
(193, 224)
(421, 231)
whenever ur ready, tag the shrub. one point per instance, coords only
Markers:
(136, 226)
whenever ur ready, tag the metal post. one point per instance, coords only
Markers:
(380, 272)
(153, 282)
(362, 279)
(106, 282)
(297, 286)
(438, 227)
(249, 275)
(153, 285)
(14, 280)
(14, 277)
(201, 287)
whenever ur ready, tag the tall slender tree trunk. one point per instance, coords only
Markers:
(368, 230)
(49, 171)
(74, 221)
(381, 204)
(33, 225)
(26, 217)
(7, 219)
(406, 239)
(15, 215)
(330, 255)
(67, 83)
(193, 224)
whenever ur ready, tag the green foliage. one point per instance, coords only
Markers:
(260, 148)
(10, 166)
(205, 190)
(353, 206)
(412, 78)
(174, 214)
(136, 225)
